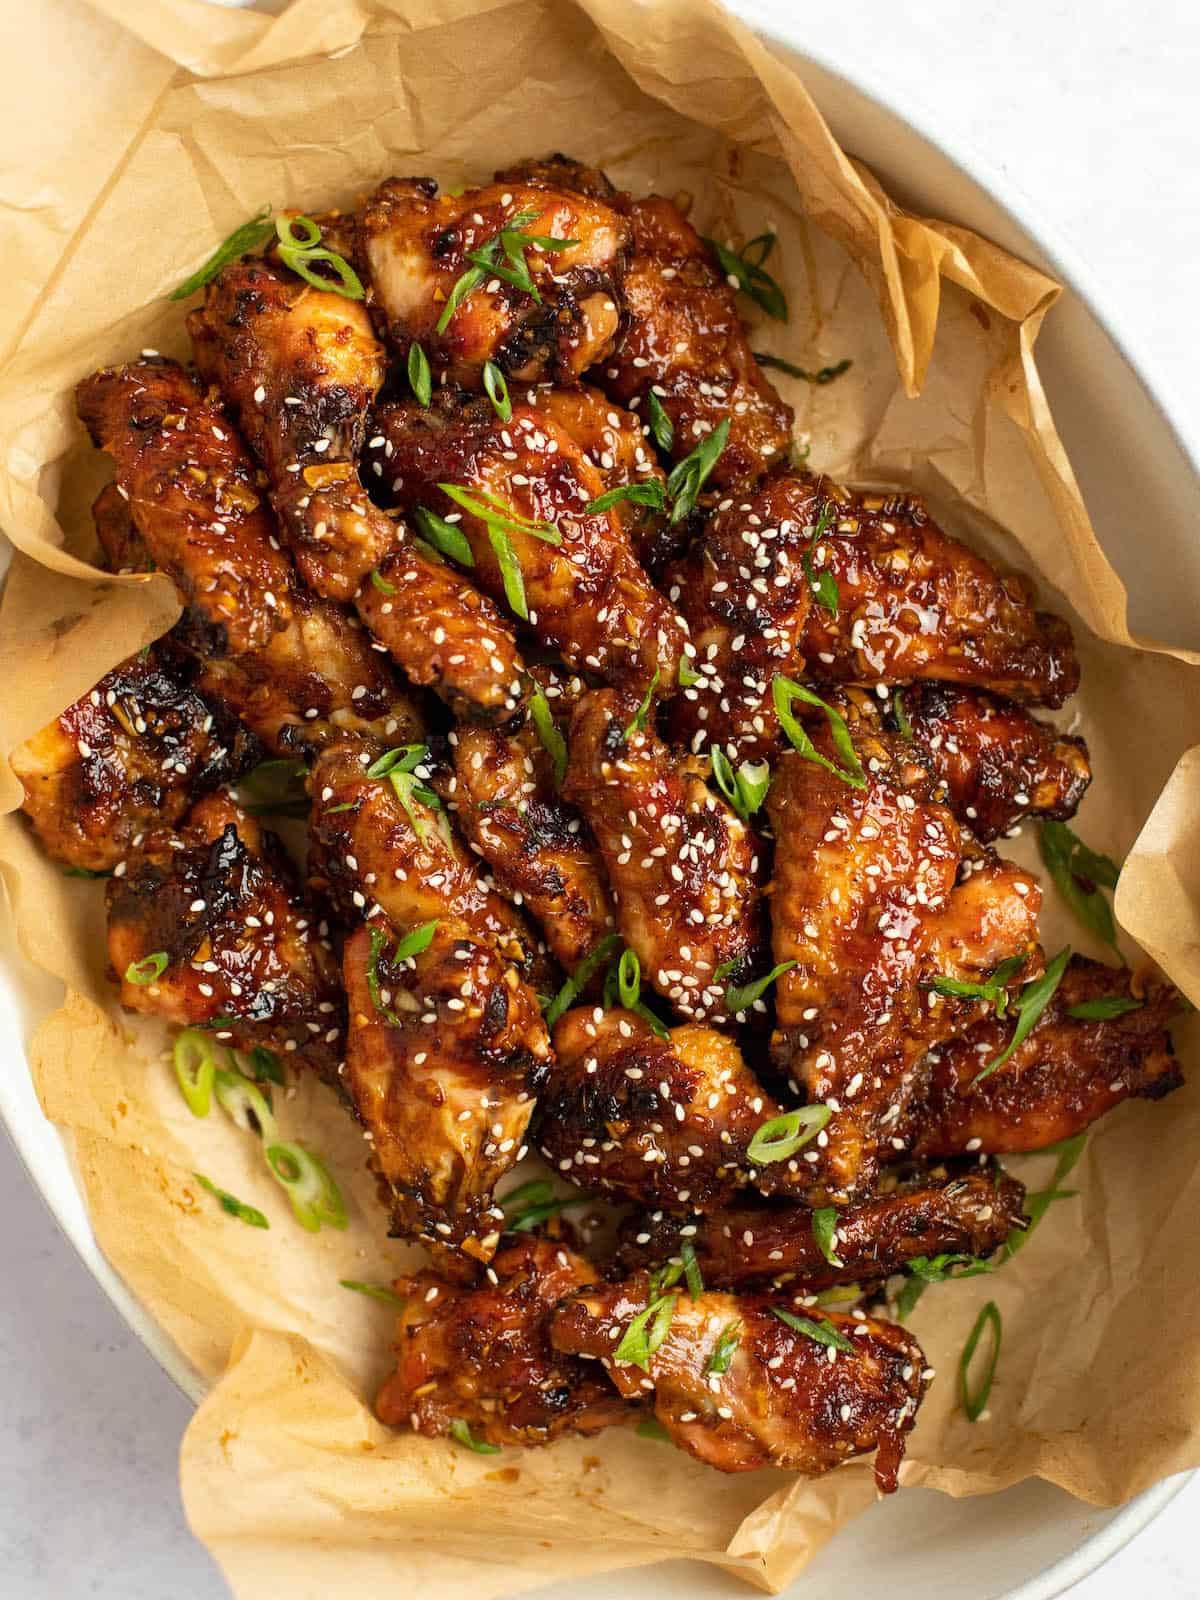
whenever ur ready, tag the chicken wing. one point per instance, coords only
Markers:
(683, 341)
(997, 764)
(558, 171)
(533, 543)
(207, 928)
(383, 847)
(738, 1388)
(1068, 1071)
(659, 1121)
(482, 1356)
(971, 1213)
(534, 308)
(865, 906)
(126, 758)
(446, 1052)
(682, 866)
(914, 603)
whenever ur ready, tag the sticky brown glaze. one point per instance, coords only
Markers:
(197, 505)
(220, 900)
(123, 547)
(414, 244)
(483, 1355)
(558, 171)
(745, 596)
(588, 598)
(504, 800)
(864, 903)
(682, 337)
(914, 603)
(971, 1212)
(783, 1402)
(375, 857)
(443, 1073)
(1065, 1075)
(682, 866)
(658, 1121)
(128, 757)
(997, 764)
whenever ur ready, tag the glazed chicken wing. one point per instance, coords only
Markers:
(126, 758)
(971, 1213)
(558, 171)
(682, 866)
(660, 1121)
(865, 906)
(682, 338)
(914, 603)
(1068, 1071)
(533, 544)
(445, 1055)
(208, 927)
(784, 1399)
(416, 247)
(483, 1355)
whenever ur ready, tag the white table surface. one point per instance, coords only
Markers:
(1078, 101)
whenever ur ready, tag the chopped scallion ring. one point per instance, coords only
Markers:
(646, 1333)
(495, 386)
(461, 1431)
(246, 1103)
(974, 1400)
(194, 1059)
(147, 969)
(824, 1227)
(780, 1137)
(314, 1195)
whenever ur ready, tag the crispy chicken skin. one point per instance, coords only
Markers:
(864, 903)
(122, 545)
(915, 603)
(743, 591)
(682, 338)
(294, 668)
(682, 866)
(997, 764)
(587, 596)
(970, 1212)
(1065, 1075)
(661, 1121)
(219, 900)
(503, 798)
(483, 1355)
(301, 367)
(443, 1073)
(414, 245)
(126, 758)
(782, 1402)
(558, 171)
(374, 855)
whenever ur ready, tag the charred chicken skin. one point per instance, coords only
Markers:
(483, 1355)
(784, 1399)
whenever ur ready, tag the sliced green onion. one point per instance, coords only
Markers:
(1104, 1007)
(820, 1332)
(745, 789)
(1079, 875)
(780, 1137)
(691, 1269)
(147, 969)
(398, 767)
(1038, 1203)
(643, 711)
(413, 943)
(464, 286)
(310, 1186)
(246, 1103)
(740, 997)
(420, 379)
(652, 1428)
(266, 1067)
(535, 1202)
(901, 716)
(1029, 1005)
(687, 673)
(746, 271)
(375, 1291)
(822, 376)
(496, 388)
(646, 1333)
(299, 253)
(499, 513)
(461, 1431)
(581, 977)
(784, 691)
(629, 979)
(444, 536)
(250, 1215)
(381, 583)
(277, 787)
(690, 475)
(547, 731)
(993, 990)
(723, 1351)
(510, 571)
(824, 1227)
(248, 237)
(974, 1400)
(485, 261)
(195, 1063)
(661, 425)
(647, 493)
(924, 1270)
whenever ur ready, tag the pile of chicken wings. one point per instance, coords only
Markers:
(652, 785)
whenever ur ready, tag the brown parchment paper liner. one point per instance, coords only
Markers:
(172, 122)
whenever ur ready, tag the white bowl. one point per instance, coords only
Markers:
(927, 1546)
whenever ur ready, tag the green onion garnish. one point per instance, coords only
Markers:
(245, 1102)
(690, 475)
(581, 977)
(740, 997)
(420, 379)
(265, 1066)
(461, 1431)
(250, 1215)
(413, 943)
(1029, 1005)
(510, 571)
(821, 1332)
(1080, 874)
(547, 731)
(1104, 1007)
(398, 767)
(496, 388)
(444, 536)
(780, 1137)
(299, 253)
(495, 512)
(525, 1208)
(784, 691)
(248, 237)
(723, 1351)
(823, 584)
(646, 1333)
(974, 1401)
(661, 425)
(822, 376)
(147, 969)
(643, 711)
(687, 673)
(745, 269)
(629, 978)
(485, 262)
(310, 1186)
(1037, 1204)
(901, 716)
(993, 990)
(381, 583)
(647, 493)
(276, 787)
(745, 789)
(652, 1428)
(824, 1227)
(924, 1270)
(194, 1060)
(376, 1291)
(691, 1269)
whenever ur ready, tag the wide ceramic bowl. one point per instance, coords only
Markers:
(1033, 1541)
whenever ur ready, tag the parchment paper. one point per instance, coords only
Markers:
(162, 139)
